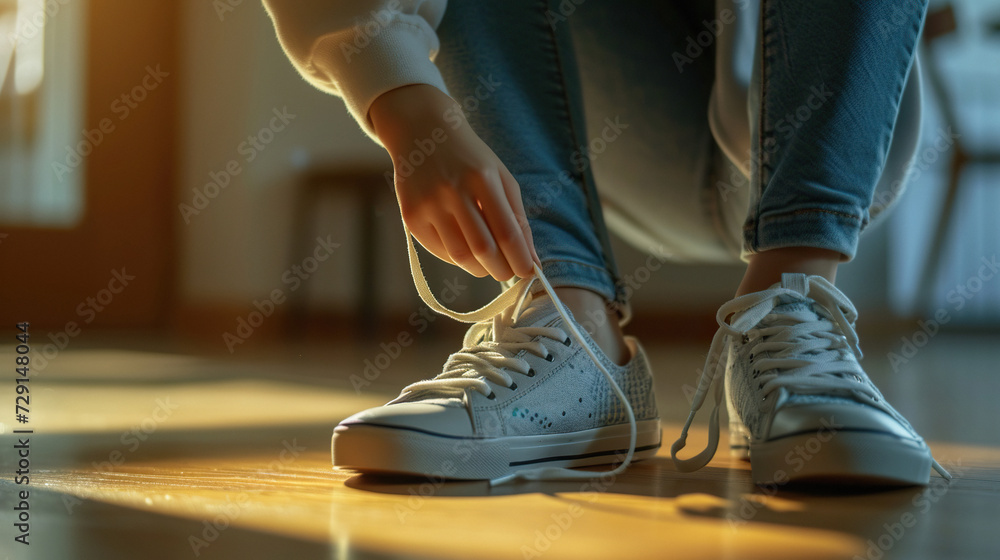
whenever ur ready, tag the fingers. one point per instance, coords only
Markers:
(481, 241)
(455, 233)
(503, 224)
(439, 233)
(513, 191)
(457, 247)
(429, 239)
(477, 222)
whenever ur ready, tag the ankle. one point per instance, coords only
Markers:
(598, 320)
(765, 268)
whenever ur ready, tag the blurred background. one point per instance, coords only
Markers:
(183, 219)
(165, 174)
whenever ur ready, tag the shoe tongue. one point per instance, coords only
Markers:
(541, 311)
(795, 282)
(798, 283)
(788, 303)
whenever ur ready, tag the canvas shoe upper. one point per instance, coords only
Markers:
(800, 405)
(529, 395)
(521, 393)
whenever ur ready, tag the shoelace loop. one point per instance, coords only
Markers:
(514, 299)
(825, 340)
(805, 355)
(488, 349)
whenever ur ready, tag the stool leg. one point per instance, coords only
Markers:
(301, 239)
(367, 283)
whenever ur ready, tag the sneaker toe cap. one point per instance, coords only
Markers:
(438, 418)
(835, 416)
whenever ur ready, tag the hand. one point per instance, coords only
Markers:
(456, 197)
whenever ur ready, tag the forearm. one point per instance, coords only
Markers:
(413, 112)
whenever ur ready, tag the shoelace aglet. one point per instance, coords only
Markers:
(941, 470)
(679, 444)
(502, 479)
(682, 440)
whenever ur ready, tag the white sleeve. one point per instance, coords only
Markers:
(360, 49)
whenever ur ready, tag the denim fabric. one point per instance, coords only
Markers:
(831, 78)
(588, 104)
(531, 117)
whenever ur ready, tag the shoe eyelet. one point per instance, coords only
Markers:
(751, 356)
(568, 342)
(491, 396)
(760, 386)
(746, 339)
(531, 372)
(513, 387)
(549, 358)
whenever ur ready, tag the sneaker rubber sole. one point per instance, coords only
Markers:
(375, 448)
(859, 458)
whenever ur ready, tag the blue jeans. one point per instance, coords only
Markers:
(600, 111)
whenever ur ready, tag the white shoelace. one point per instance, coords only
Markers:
(481, 359)
(808, 356)
(489, 347)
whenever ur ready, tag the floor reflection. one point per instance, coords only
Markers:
(222, 472)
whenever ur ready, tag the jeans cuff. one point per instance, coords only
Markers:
(817, 228)
(563, 273)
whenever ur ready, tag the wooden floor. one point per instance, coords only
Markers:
(140, 454)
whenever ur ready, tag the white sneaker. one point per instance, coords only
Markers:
(800, 406)
(529, 395)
